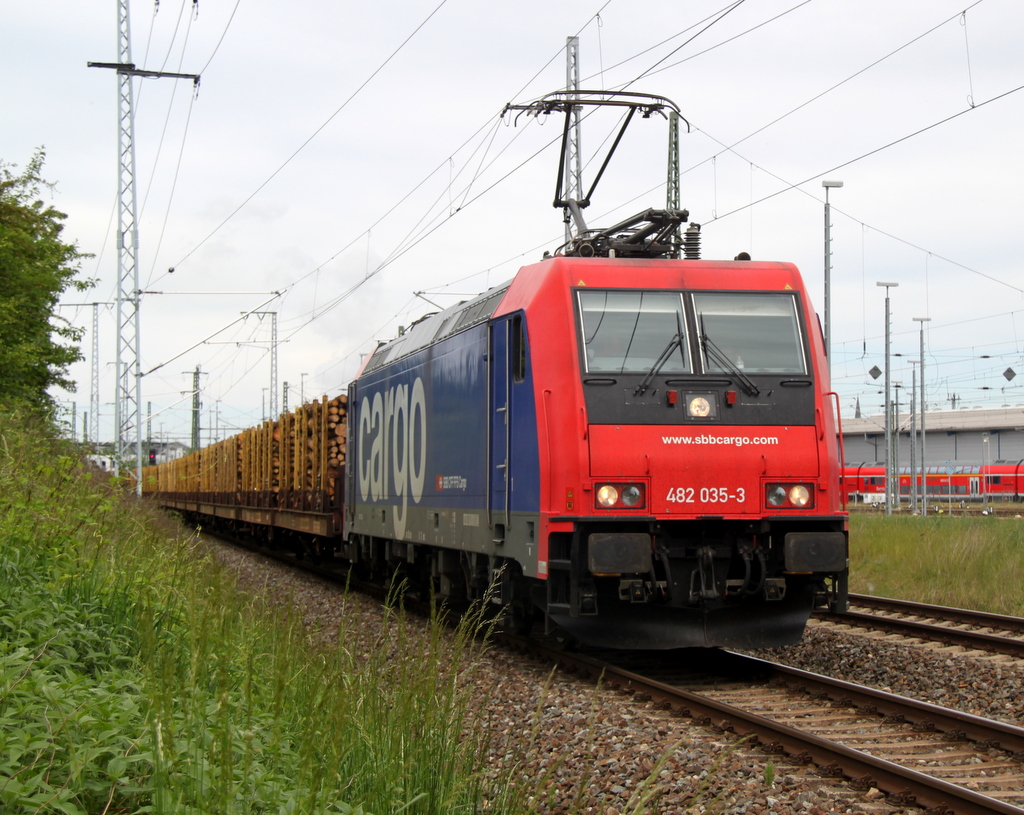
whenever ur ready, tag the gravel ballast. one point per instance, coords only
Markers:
(598, 747)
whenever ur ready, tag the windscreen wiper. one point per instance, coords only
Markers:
(645, 383)
(663, 357)
(714, 353)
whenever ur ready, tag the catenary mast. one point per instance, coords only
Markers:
(128, 396)
(573, 161)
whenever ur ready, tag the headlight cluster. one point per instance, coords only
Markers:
(791, 496)
(620, 496)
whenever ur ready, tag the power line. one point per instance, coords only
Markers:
(839, 84)
(222, 36)
(315, 133)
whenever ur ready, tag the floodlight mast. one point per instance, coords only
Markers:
(628, 239)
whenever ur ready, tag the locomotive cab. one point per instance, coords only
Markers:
(705, 506)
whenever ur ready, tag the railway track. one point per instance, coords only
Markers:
(972, 630)
(920, 754)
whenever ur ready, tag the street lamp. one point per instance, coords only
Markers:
(828, 185)
(924, 461)
(896, 441)
(888, 417)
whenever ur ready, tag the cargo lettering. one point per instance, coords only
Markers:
(393, 448)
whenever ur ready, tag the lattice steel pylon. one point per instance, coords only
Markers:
(128, 374)
(273, 359)
(573, 162)
(128, 395)
(672, 182)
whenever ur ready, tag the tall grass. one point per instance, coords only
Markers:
(134, 678)
(973, 563)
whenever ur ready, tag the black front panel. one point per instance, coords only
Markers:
(694, 358)
(781, 401)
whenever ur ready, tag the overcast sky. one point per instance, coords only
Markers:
(350, 155)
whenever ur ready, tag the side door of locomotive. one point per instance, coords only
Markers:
(499, 361)
(514, 480)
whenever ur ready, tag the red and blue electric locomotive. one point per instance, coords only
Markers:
(635, 448)
(642, 451)
(638, 449)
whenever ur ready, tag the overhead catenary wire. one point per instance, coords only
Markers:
(413, 241)
(431, 226)
(315, 133)
(398, 253)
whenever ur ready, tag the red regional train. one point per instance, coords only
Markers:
(957, 481)
(633, 448)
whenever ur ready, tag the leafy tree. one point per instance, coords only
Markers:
(36, 267)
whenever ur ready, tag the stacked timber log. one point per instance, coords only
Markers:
(337, 421)
(294, 461)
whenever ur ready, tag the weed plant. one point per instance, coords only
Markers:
(972, 562)
(134, 678)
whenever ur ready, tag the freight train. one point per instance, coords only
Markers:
(956, 481)
(633, 449)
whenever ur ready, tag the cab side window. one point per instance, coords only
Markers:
(518, 349)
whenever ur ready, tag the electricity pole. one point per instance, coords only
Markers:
(888, 404)
(94, 382)
(197, 405)
(91, 429)
(672, 185)
(573, 161)
(128, 398)
(273, 359)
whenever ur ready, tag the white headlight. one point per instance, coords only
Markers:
(607, 495)
(799, 495)
(699, 406)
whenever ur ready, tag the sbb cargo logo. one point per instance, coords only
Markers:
(450, 482)
(733, 441)
(393, 448)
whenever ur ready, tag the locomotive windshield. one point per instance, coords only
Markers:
(627, 331)
(757, 333)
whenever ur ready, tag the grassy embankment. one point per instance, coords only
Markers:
(967, 562)
(134, 678)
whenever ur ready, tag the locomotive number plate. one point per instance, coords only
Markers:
(705, 495)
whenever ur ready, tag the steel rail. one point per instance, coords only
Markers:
(909, 786)
(953, 723)
(959, 615)
(977, 640)
(943, 631)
